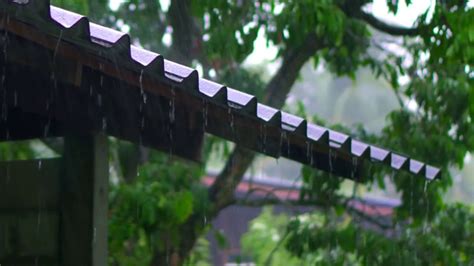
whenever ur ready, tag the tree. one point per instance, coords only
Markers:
(159, 220)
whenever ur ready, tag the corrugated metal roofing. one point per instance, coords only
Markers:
(70, 27)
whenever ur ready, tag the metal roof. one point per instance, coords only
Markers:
(273, 132)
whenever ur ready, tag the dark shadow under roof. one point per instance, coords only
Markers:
(181, 102)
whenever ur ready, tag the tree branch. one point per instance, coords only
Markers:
(387, 28)
(316, 204)
(186, 34)
(221, 193)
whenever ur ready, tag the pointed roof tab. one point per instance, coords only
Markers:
(379, 154)
(340, 140)
(417, 167)
(142, 56)
(80, 30)
(188, 77)
(76, 26)
(398, 162)
(105, 35)
(268, 114)
(360, 149)
(243, 101)
(215, 91)
(153, 62)
(122, 47)
(432, 172)
(318, 134)
(64, 17)
(294, 123)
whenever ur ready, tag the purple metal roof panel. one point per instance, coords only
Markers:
(399, 162)
(360, 149)
(267, 113)
(416, 167)
(66, 18)
(379, 154)
(293, 123)
(318, 133)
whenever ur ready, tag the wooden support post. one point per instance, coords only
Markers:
(84, 204)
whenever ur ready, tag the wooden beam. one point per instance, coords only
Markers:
(84, 205)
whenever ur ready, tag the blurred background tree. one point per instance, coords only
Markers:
(335, 62)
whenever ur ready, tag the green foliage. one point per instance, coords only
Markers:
(263, 242)
(24, 150)
(342, 241)
(200, 255)
(81, 7)
(230, 28)
(147, 214)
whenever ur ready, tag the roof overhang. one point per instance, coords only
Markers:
(73, 75)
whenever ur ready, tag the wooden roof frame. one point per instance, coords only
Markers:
(177, 105)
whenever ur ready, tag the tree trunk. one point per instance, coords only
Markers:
(166, 258)
(176, 255)
(221, 193)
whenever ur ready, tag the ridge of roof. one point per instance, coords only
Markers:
(75, 28)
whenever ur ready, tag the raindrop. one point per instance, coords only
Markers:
(287, 143)
(354, 166)
(94, 235)
(425, 225)
(171, 105)
(4, 109)
(104, 123)
(231, 117)
(142, 91)
(142, 105)
(263, 131)
(99, 100)
(57, 46)
(171, 114)
(4, 69)
(15, 98)
(411, 194)
(308, 151)
(99, 96)
(140, 80)
(46, 128)
(204, 113)
(38, 222)
(330, 157)
(39, 164)
(354, 161)
(282, 136)
(8, 173)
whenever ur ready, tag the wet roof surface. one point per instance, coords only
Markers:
(73, 28)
